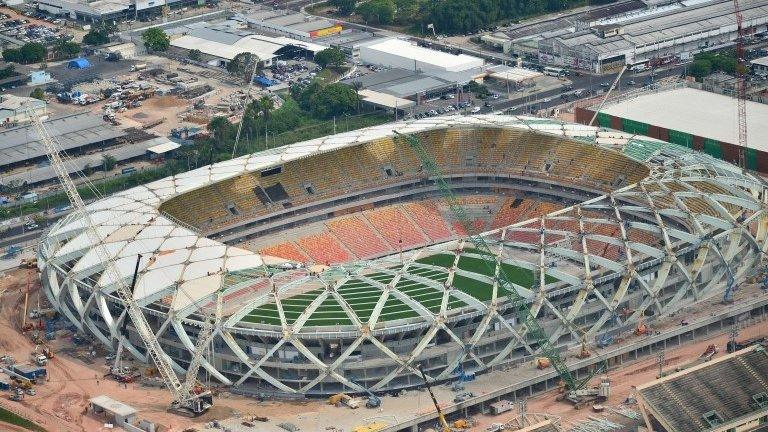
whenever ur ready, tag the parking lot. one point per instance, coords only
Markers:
(19, 29)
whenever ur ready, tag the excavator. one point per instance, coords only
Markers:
(444, 426)
(373, 401)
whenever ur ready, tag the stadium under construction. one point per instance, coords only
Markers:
(598, 230)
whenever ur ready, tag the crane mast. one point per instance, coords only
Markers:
(493, 264)
(741, 70)
(183, 400)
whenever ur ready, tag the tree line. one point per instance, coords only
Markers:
(451, 16)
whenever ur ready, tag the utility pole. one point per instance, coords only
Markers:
(732, 339)
(523, 410)
(660, 359)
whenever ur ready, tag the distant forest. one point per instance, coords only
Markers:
(452, 17)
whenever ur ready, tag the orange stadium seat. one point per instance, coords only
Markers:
(324, 249)
(285, 250)
(428, 218)
(358, 237)
(396, 229)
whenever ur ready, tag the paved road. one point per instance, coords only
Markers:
(589, 83)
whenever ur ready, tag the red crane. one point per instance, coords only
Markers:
(741, 91)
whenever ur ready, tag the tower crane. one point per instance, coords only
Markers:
(185, 402)
(574, 388)
(741, 70)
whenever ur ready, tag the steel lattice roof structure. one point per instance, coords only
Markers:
(679, 233)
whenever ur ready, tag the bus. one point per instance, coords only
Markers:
(553, 71)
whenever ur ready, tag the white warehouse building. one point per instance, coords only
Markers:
(399, 53)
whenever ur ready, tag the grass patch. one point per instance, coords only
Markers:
(362, 297)
(11, 418)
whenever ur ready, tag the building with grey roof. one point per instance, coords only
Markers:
(74, 133)
(14, 109)
(654, 37)
(291, 24)
(414, 85)
(122, 154)
(112, 10)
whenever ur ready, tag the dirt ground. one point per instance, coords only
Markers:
(624, 380)
(61, 400)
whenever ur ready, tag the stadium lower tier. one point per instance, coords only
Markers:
(339, 268)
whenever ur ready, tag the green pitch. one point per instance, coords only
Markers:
(362, 295)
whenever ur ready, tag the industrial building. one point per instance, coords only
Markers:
(399, 53)
(15, 109)
(219, 45)
(760, 66)
(290, 24)
(20, 146)
(657, 35)
(109, 10)
(691, 118)
(355, 317)
(146, 150)
(725, 394)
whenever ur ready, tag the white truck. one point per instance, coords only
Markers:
(39, 359)
(138, 67)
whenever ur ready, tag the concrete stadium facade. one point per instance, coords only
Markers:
(680, 224)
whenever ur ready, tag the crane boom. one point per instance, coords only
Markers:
(440, 415)
(181, 396)
(493, 264)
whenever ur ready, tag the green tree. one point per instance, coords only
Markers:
(406, 11)
(330, 56)
(31, 52)
(242, 66)
(8, 72)
(196, 55)
(333, 100)
(67, 49)
(12, 55)
(478, 89)
(377, 11)
(700, 68)
(38, 93)
(343, 7)
(108, 162)
(219, 127)
(99, 33)
(155, 39)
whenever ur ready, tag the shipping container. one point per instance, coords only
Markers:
(29, 371)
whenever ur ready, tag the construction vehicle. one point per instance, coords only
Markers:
(443, 423)
(581, 397)
(523, 313)
(39, 359)
(345, 399)
(709, 352)
(543, 362)
(641, 329)
(604, 341)
(739, 345)
(16, 395)
(371, 427)
(184, 400)
(373, 401)
(28, 263)
(584, 352)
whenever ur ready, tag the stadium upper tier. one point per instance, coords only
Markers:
(661, 227)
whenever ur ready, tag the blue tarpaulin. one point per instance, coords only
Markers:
(266, 82)
(79, 63)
